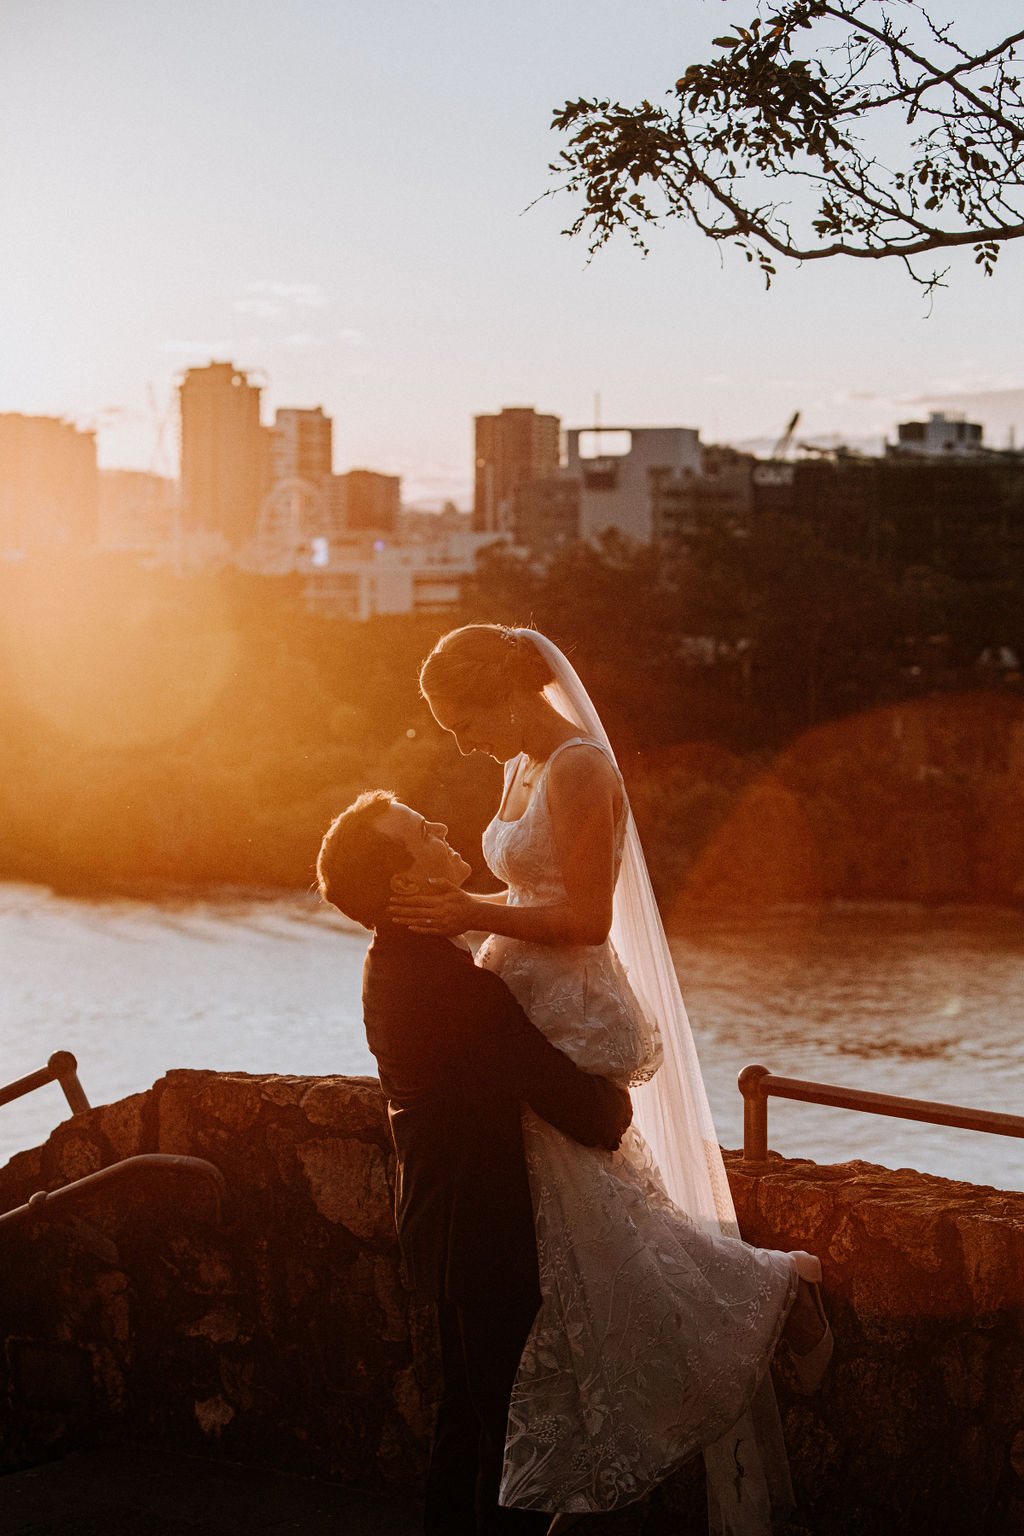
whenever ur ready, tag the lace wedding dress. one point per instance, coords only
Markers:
(654, 1332)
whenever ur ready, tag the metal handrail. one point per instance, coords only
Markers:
(168, 1160)
(61, 1068)
(757, 1084)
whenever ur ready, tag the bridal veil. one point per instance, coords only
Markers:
(747, 1471)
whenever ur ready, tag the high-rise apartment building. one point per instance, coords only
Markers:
(224, 453)
(48, 484)
(512, 448)
(301, 446)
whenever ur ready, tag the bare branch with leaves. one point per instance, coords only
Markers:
(824, 128)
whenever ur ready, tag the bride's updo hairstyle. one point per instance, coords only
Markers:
(484, 664)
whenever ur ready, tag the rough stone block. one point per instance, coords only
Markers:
(349, 1185)
(122, 1124)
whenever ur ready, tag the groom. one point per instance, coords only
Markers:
(457, 1059)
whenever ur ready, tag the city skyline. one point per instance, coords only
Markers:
(333, 199)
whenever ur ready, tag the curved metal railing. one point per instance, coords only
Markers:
(757, 1084)
(171, 1161)
(61, 1068)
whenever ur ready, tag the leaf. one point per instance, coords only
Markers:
(753, 107)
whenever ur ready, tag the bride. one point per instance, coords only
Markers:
(657, 1324)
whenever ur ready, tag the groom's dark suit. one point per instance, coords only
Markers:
(458, 1058)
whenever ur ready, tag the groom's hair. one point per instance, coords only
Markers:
(357, 860)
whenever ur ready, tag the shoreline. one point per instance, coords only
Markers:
(686, 913)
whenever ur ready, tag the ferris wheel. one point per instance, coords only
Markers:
(293, 513)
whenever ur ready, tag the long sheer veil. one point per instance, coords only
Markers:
(673, 1116)
(672, 1110)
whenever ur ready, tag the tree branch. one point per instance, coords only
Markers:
(759, 108)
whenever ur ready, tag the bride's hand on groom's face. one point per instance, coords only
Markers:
(446, 910)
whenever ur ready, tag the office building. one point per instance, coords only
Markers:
(961, 514)
(686, 507)
(545, 515)
(940, 436)
(48, 485)
(369, 501)
(512, 448)
(225, 469)
(301, 446)
(365, 574)
(622, 471)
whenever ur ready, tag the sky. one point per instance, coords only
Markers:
(341, 198)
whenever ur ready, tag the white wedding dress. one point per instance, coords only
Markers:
(654, 1332)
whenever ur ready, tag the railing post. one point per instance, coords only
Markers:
(755, 1114)
(64, 1068)
(757, 1085)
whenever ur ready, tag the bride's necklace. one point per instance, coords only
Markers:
(533, 767)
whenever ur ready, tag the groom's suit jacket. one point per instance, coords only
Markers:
(458, 1058)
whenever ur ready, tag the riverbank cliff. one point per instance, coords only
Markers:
(918, 801)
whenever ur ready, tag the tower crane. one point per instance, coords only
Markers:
(785, 442)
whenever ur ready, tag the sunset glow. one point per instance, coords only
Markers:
(334, 197)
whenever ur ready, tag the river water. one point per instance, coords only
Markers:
(925, 1004)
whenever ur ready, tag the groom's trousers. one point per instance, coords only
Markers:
(481, 1344)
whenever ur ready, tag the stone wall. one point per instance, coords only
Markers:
(920, 1427)
(285, 1336)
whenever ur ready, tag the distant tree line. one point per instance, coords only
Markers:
(791, 722)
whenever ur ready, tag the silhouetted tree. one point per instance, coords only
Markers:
(204, 730)
(776, 142)
(815, 629)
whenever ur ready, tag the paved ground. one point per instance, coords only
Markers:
(130, 1492)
